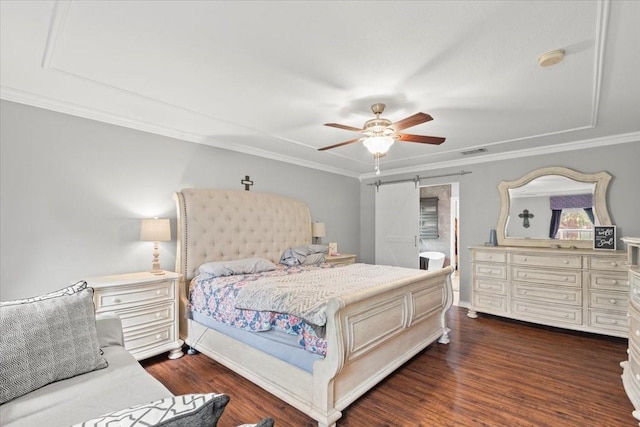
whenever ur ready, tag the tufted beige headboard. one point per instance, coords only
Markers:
(221, 225)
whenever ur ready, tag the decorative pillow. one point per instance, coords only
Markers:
(70, 290)
(239, 266)
(265, 422)
(299, 254)
(46, 339)
(177, 411)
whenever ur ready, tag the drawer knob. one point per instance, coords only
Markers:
(158, 292)
(614, 264)
(638, 377)
(490, 256)
(612, 301)
(524, 259)
(158, 314)
(565, 261)
(565, 296)
(524, 274)
(117, 300)
(565, 278)
(615, 282)
(158, 336)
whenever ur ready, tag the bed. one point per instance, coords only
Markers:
(368, 333)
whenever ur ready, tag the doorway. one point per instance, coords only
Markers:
(439, 227)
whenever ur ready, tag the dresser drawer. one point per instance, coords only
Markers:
(545, 313)
(126, 296)
(559, 260)
(634, 327)
(489, 302)
(546, 276)
(609, 280)
(611, 321)
(635, 288)
(609, 300)
(142, 339)
(618, 263)
(497, 271)
(147, 316)
(553, 294)
(492, 286)
(489, 256)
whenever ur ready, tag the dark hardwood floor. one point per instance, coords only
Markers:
(495, 372)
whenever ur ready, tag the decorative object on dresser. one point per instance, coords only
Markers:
(148, 306)
(341, 259)
(631, 374)
(578, 289)
(155, 230)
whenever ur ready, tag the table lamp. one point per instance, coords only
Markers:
(155, 230)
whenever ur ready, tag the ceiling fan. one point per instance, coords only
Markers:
(380, 133)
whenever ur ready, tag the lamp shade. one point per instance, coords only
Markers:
(318, 229)
(155, 230)
(378, 144)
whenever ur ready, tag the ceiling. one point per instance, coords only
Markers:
(263, 77)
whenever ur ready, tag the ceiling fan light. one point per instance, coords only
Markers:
(378, 144)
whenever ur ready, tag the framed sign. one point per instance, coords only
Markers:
(604, 237)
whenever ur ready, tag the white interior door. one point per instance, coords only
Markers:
(397, 209)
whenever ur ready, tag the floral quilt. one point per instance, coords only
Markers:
(216, 298)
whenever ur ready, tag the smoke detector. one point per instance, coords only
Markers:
(551, 58)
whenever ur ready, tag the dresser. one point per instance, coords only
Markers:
(578, 289)
(342, 259)
(631, 366)
(148, 307)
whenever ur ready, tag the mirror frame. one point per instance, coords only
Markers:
(601, 181)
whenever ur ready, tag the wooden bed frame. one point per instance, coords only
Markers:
(369, 334)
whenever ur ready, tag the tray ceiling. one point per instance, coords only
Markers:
(263, 77)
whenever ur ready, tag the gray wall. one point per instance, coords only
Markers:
(480, 201)
(74, 190)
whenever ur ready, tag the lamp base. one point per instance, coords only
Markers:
(157, 272)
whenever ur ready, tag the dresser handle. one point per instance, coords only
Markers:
(524, 274)
(564, 261)
(612, 301)
(614, 282)
(158, 292)
(614, 264)
(565, 278)
(158, 336)
(116, 300)
(158, 314)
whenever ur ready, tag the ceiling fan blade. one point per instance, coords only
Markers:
(422, 139)
(345, 127)
(416, 119)
(351, 141)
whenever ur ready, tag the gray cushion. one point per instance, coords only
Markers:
(238, 266)
(46, 339)
(177, 411)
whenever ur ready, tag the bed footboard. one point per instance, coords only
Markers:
(369, 335)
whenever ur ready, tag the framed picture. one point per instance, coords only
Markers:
(333, 249)
(604, 237)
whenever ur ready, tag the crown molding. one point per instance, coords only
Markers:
(527, 152)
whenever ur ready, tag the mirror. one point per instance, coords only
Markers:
(554, 200)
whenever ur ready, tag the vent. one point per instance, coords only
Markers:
(476, 151)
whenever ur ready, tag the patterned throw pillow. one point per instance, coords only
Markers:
(46, 339)
(69, 290)
(177, 411)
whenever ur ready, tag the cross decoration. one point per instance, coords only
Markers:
(525, 215)
(246, 182)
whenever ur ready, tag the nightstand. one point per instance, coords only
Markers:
(342, 259)
(148, 307)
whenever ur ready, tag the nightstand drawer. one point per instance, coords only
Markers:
(126, 296)
(489, 256)
(342, 259)
(147, 316)
(142, 339)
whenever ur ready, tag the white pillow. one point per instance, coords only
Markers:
(239, 266)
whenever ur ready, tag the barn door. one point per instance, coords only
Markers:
(396, 212)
